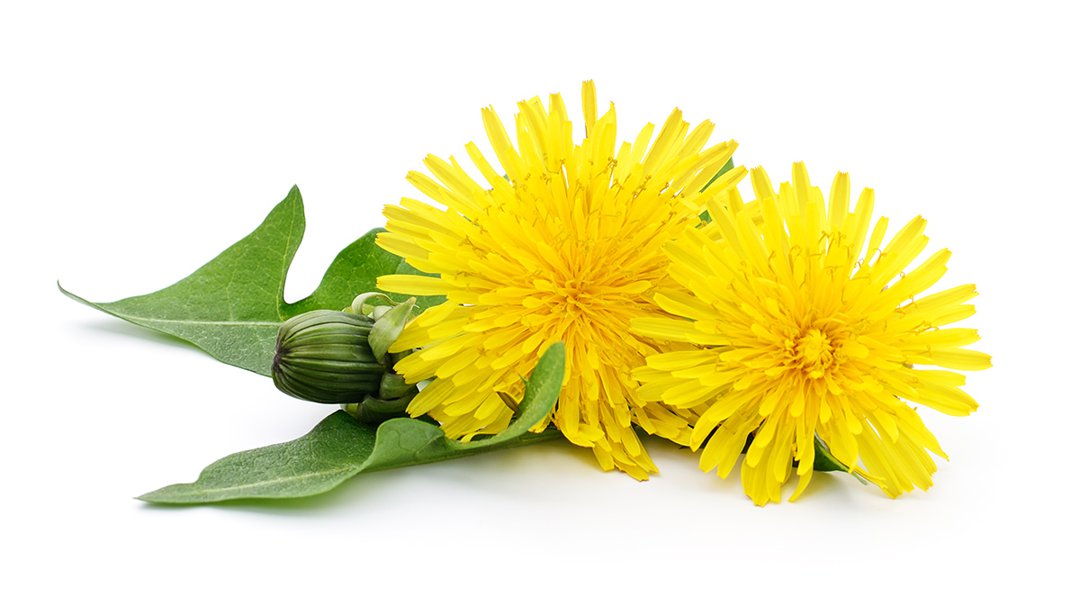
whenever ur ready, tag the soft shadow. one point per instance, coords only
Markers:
(682, 464)
(354, 493)
(116, 326)
(832, 482)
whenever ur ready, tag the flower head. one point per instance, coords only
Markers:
(563, 243)
(807, 327)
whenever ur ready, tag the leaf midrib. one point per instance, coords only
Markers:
(204, 322)
(136, 319)
(283, 479)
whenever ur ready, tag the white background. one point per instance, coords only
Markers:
(138, 141)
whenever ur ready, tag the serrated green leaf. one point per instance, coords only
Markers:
(232, 306)
(340, 447)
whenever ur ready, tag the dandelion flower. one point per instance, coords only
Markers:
(564, 242)
(807, 328)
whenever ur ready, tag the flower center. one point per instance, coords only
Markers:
(815, 353)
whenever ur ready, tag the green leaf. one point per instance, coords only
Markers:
(232, 306)
(340, 447)
(730, 164)
(824, 459)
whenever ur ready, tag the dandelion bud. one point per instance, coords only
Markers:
(324, 356)
(341, 357)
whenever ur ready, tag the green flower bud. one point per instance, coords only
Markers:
(341, 357)
(324, 356)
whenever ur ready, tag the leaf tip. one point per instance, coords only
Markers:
(293, 201)
(555, 350)
(149, 497)
(72, 295)
(165, 496)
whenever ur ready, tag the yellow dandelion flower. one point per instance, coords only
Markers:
(563, 243)
(807, 328)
